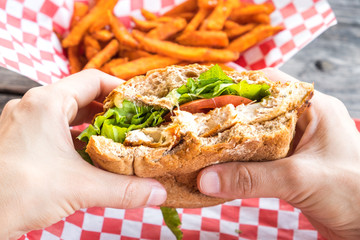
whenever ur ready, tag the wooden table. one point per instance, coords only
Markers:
(332, 62)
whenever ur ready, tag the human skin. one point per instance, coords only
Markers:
(321, 176)
(42, 177)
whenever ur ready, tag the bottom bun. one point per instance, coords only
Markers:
(183, 193)
(177, 169)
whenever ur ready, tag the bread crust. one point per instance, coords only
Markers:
(264, 137)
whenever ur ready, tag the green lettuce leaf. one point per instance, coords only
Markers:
(214, 83)
(215, 73)
(172, 220)
(85, 156)
(255, 92)
(116, 122)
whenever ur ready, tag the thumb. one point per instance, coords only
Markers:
(248, 180)
(105, 189)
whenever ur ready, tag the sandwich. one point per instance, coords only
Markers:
(172, 122)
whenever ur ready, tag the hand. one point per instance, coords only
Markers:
(42, 177)
(321, 177)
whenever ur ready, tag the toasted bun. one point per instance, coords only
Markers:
(175, 153)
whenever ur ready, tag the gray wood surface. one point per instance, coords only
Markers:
(332, 62)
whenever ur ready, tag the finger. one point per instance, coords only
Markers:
(80, 89)
(246, 180)
(277, 75)
(325, 105)
(104, 189)
(89, 85)
(303, 122)
(326, 115)
(87, 113)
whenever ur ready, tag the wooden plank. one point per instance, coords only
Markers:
(346, 11)
(11, 82)
(13, 85)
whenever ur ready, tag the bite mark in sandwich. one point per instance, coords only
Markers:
(173, 122)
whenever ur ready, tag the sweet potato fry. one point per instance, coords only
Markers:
(80, 10)
(148, 15)
(164, 19)
(145, 25)
(253, 37)
(256, 18)
(112, 63)
(187, 15)
(193, 31)
(90, 52)
(167, 30)
(233, 32)
(80, 28)
(99, 24)
(103, 35)
(74, 59)
(90, 41)
(187, 6)
(231, 24)
(123, 48)
(222, 66)
(92, 46)
(193, 54)
(121, 33)
(217, 18)
(216, 39)
(242, 11)
(207, 3)
(104, 55)
(226, 67)
(132, 55)
(141, 66)
(197, 19)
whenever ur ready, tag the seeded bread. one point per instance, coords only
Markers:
(175, 153)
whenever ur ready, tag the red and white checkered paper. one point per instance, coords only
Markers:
(29, 46)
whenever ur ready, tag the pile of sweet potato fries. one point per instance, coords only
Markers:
(196, 31)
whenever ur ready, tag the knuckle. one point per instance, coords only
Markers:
(10, 105)
(337, 103)
(243, 181)
(41, 100)
(33, 99)
(339, 110)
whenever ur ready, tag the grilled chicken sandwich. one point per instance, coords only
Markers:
(174, 121)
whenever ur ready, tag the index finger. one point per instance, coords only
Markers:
(82, 88)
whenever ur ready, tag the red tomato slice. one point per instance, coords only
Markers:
(205, 105)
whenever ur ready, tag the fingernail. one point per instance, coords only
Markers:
(210, 183)
(157, 196)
